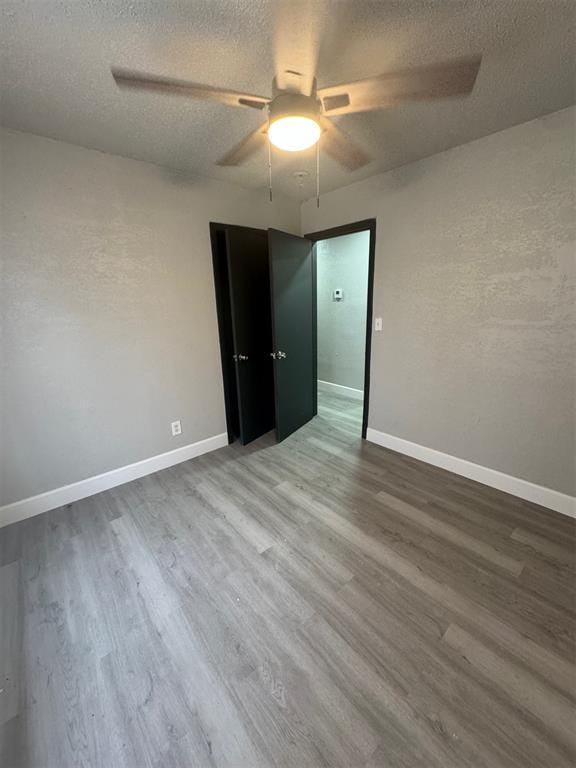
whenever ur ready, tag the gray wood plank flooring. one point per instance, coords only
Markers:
(322, 603)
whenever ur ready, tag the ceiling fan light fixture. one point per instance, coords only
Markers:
(294, 133)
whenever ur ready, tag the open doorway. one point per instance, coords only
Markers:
(344, 267)
(266, 296)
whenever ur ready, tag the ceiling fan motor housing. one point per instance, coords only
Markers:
(287, 104)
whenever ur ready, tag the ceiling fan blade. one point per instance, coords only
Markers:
(143, 82)
(246, 148)
(298, 31)
(440, 81)
(337, 144)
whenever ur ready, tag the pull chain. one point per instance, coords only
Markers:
(269, 163)
(318, 174)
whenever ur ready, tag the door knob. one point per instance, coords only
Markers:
(242, 357)
(281, 354)
(273, 355)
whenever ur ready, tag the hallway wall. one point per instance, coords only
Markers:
(342, 262)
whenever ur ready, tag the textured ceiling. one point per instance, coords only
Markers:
(56, 57)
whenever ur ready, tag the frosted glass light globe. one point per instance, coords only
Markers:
(294, 133)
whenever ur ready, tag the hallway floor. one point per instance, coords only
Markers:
(341, 410)
(319, 603)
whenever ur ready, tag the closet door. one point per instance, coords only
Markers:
(292, 288)
(249, 285)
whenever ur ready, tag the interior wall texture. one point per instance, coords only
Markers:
(109, 327)
(474, 280)
(108, 310)
(342, 262)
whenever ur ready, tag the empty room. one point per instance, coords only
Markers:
(287, 384)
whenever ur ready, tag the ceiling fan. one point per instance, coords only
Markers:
(298, 112)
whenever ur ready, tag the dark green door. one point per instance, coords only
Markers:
(294, 330)
(249, 285)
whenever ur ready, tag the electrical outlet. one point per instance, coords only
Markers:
(378, 324)
(176, 428)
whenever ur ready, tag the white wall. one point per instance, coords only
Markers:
(342, 262)
(474, 280)
(108, 311)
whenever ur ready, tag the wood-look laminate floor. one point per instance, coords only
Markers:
(323, 602)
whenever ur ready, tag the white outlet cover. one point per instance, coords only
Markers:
(176, 427)
(378, 324)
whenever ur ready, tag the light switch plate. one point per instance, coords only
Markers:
(378, 324)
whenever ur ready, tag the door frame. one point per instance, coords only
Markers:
(218, 231)
(366, 225)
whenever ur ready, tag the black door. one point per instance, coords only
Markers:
(249, 285)
(294, 330)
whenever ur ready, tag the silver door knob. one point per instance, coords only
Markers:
(242, 357)
(273, 355)
(281, 354)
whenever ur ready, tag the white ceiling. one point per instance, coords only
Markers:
(56, 57)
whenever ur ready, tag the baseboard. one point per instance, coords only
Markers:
(34, 505)
(340, 389)
(538, 494)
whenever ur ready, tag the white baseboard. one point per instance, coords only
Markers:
(340, 389)
(34, 505)
(538, 494)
